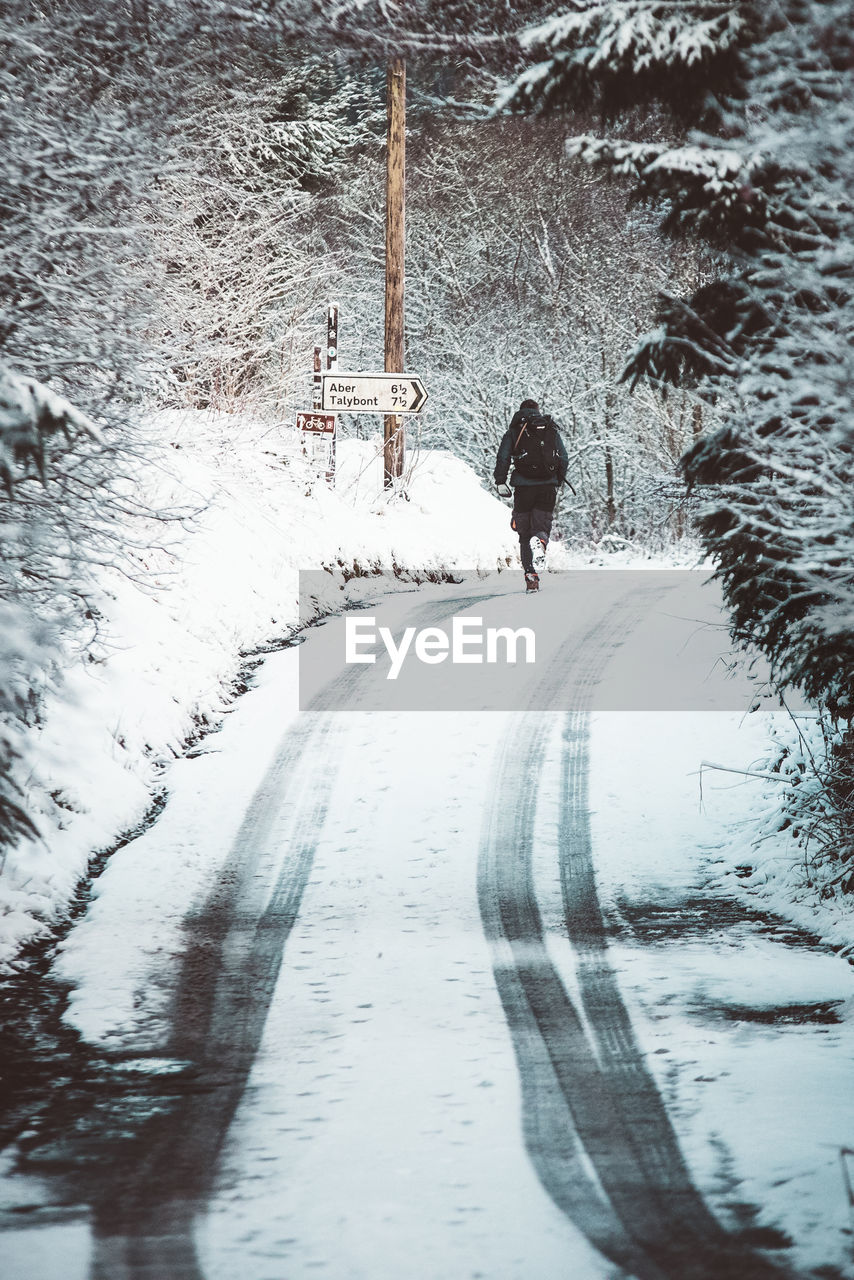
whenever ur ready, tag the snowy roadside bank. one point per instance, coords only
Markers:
(174, 637)
(745, 1022)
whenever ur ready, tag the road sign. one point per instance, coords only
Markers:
(373, 393)
(318, 422)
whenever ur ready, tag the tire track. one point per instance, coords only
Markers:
(548, 1034)
(688, 1240)
(144, 1210)
(601, 1094)
(143, 1219)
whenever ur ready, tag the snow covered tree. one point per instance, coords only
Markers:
(525, 276)
(616, 52)
(72, 308)
(238, 225)
(768, 180)
(89, 97)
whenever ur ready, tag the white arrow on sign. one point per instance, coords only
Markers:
(373, 393)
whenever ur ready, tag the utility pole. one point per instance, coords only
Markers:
(395, 242)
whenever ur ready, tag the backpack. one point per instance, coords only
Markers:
(535, 451)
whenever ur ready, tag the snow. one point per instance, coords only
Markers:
(34, 1253)
(720, 168)
(139, 921)
(401, 1095)
(761, 1107)
(140, 899)
(25, 402)
(388, 1012)
(204, 592)
(769, 868)
(219, 584)
(393, 893)
(405, 1056)
(632, 33)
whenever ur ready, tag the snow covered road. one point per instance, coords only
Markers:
(354, 1007)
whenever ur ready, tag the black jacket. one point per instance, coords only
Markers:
(505, 455)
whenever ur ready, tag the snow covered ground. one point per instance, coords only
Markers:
(382, 1118)
(200, 594)
(363, 1059)
(748, 1027)
(199, 597)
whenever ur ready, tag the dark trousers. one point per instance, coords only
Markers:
(533, 510)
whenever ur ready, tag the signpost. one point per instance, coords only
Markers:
(319, 433)
(386, 393)
(332, 336)
(332, 364)
(393, 393)
(316, 396)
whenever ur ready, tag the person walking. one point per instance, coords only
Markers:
(533, 445)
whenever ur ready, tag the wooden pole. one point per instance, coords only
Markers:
(395, 242)
(316, 383)
(331, 367)
(316, 397)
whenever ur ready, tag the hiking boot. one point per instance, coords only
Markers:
(538, 553)
(532, 582)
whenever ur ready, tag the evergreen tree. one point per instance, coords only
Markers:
(768, 179)
(761, 101)
(240, 223)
